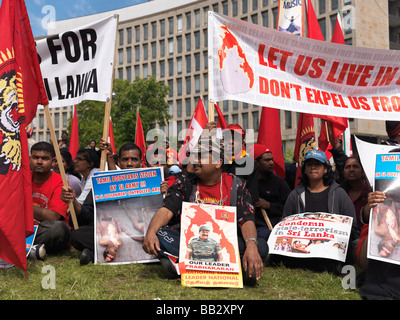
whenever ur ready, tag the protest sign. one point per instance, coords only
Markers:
(384, 231)
(78, 64)
(367, 153)
(312, 235)
(266, 67)
(125, 202)
(209, 246)
(209, 238)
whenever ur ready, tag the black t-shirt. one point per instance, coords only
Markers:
(317, 201)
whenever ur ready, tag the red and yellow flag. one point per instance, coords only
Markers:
(21, 90)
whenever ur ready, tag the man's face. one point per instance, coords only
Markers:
(41, 162)
(130, 159)
(266, 163)
(205, 166)
(204, 234)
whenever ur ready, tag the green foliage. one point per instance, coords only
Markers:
(146, 95)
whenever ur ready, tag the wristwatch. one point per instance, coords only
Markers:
(253, 239)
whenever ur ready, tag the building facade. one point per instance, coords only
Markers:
(168, 39)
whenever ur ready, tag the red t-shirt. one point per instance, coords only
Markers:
(48, 195)
(211, 194)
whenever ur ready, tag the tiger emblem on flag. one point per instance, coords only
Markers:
(10, 144)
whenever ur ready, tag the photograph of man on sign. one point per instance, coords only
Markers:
(204, 248)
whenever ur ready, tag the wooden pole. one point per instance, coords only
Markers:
(60, 165)
(107, 111)
(264, 213)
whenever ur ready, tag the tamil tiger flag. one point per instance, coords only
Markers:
(305, 140)
(111, 137)
(21, 90)
(221, 120)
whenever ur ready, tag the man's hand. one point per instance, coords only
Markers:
(67, 194)
(252, 260)
(151, 244)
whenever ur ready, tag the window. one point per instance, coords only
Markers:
(171, 87)
(171, 25)
(162, 69)
(255, 4)
(322, 6)
(179, 109)
(234, 8)
(145, 70)
(153, 69)
(264, 17)
(137, 53)
(129, 35)
(121, 56)
(244, 6)
(129, 55)
(197, 84)
(179, 23)
(154, 30)
(128, 73)
(137, 71)
(179, 43)
(188, 103)
(57, 120)
(188, 21)
(205, 57)
(322, 25)
(188, 63)
(162, 48)
(170, 67)
(145, 32)
(179, 65)
(121, 73)
(225, 8)
(197, 39)
(179, 86)
(256, 122)
(137, 33)
(162, 28)
(145, 51)
(334, 4)
(121, 37)
(197, 61)
(254, 18)
(65, 119)
(188, 42)
(154, 50)
(225, 106)
(245, 121)
(205, 15)
(197, 18)
(288, 119)
(188, 85)
(170, 45)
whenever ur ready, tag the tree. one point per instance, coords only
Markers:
(147, 95)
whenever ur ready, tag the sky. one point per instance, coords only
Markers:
(40, 11)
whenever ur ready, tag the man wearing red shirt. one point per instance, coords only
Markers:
(49, 211)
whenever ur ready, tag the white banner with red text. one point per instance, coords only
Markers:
(262, 66)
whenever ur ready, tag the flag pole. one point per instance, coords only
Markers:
(107, 112)
(59, 161)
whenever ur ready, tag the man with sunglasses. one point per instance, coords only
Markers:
(214, 186)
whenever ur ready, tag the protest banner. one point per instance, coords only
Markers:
(262, 66)
(312, 235)
(367, 153)
(125, 201)
(384, 231)
(209, 246)
(78, 64)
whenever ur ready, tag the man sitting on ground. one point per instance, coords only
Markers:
(163, 233)
(49, 212)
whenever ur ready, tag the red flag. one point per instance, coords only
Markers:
(196, 126)
(305, 141)
(337, 36)
(339, 124)
(269, 135)
(221, 120)
(139, 137)
(22, 90)
(111, 137)
(74, 137)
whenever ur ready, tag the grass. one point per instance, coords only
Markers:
(147, 282)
